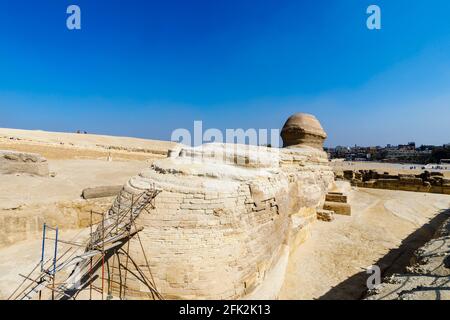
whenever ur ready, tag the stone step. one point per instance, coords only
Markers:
(338, 207)
(335, 197)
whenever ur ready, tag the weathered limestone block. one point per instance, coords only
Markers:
(436, 174)
(101, 192)
(338, 207)
(425, 182)
(336, 197)
(410, 179)
(349, 175)
(12, 162)
(325, 215)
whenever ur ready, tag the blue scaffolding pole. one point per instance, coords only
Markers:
(43, 247)
(55, 254)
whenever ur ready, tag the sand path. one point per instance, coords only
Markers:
(337, 253)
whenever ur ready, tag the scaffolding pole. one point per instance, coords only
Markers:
(115, 229)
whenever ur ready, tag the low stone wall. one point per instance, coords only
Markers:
(12, 162)
(433, 182)
(25, 222)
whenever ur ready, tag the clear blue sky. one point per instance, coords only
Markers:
(145, 68)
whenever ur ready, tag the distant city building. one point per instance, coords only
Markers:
(403, 153)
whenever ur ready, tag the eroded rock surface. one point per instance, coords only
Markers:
(12, 162)
(229, 215)
(303, 129)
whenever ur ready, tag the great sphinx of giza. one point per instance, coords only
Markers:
(227, 216)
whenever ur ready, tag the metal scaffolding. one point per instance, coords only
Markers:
(108, 240)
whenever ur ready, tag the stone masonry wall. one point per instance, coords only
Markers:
(433, 182)
(212, 238)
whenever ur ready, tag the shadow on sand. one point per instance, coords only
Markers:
(396, 261)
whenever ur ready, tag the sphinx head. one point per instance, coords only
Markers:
(302, 129)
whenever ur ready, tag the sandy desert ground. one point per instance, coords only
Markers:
(56, 145)
(76, 161)
(332, 263)
(71, 177)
